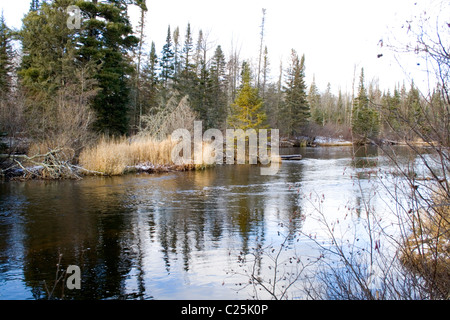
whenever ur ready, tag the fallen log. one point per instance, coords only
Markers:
(291, 157)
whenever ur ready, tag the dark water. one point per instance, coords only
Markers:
(162, 236)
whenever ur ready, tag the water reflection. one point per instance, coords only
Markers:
(167, 236)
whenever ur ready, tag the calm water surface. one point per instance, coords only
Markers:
(164, 236)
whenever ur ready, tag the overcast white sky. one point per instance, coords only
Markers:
(335, 36)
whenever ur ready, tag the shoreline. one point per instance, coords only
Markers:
(69, 171)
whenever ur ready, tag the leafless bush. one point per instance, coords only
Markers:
(64, 119)
(12, 122)
(405, 256)
(176, 114)
(273, 271)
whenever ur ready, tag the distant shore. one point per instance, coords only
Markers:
(110, 158)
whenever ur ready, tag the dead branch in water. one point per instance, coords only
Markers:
(48, 166)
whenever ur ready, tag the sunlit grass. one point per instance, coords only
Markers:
(116, 156)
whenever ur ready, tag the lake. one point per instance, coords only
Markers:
(178, 235)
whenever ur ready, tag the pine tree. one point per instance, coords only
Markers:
(199, 57)
(167, 61)
(137, 87)
(45, 40)
(6, 58)
(199, 89)
(296, 110)
(314, 103)
(365, 120)
(6, 73)
(391, 110)
(44, 69)
(187, 53)
(218, 84)
(176, 53)
(189, 83)
(415, 114)
(150, 87)
(340, 109)
(58, 87)
(188, 79)
(107, 39)
(247, 110)
(34, 5)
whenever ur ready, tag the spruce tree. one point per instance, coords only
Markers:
(188, 81)
(34, 5)
(295, 109)
(150, 87)
(218, 88)
(199, 57)
(340, 109)
(415, 114)
(167, 61)
(187, 53)
(391, 110)
(314, 103)
(365, 120)
(6, 58)
(107, 39)
(176, 53)
(6, 73)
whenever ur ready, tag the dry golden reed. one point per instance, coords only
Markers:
(115, 156)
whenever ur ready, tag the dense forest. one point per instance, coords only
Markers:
(64, 85)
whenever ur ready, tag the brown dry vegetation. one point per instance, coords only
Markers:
(426, 251)
(117, 156)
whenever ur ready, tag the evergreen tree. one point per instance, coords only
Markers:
(34, 5)
(137, 86)
(391, 110)
(167, 61)
(151, 84)
(199, 57)
(199, 89)
(295, 109)
(187, 54)
(58, 87)
(107, 39)
(6, 73)
(6, 58)
(218, 89)
(45, 40)
(176, 53)
(188, 79)
(48, 47)
(247, 110)
(340, 109)
(314, 103)
(191, 85)
(365, 120)
(415, 114)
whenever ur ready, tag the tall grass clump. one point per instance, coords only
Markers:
(108, 156)
(117, 156)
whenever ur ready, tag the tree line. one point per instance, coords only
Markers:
(69, 84)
